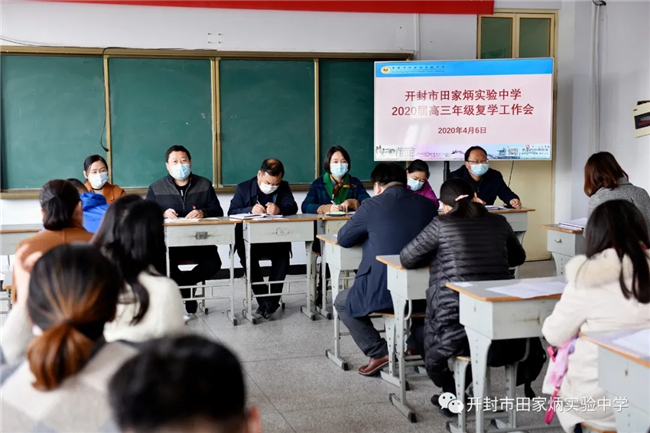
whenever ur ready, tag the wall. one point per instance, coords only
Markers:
(626, 64)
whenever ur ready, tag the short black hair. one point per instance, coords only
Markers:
(78, 184)
(174, 381)
(419, 165)
(272, 167)
(93, 159)
(177, 148)
(387, 172)
(328, 157)
(473, 148)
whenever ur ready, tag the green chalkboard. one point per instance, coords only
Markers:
(52, 117)
(157, 103)
(347, 111)
(267, 111)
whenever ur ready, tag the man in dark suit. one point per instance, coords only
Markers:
(266, 193)
(384, 224)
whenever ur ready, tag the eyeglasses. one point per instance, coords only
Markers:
(483, 161)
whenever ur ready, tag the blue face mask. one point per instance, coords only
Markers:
(479, 169)
(180, 171)
(414, 184)
(338, 169)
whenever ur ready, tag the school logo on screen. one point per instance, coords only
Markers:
(385, 69)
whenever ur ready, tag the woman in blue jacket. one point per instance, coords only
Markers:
(334, 191)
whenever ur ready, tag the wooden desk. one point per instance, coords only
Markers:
(340, 260)
(205, 232)
(405, 286)
(489, 316)
(12, 234)
(563, 244)
(624, 374)
(294, 228)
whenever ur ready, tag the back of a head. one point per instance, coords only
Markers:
(59, 200)
(114, 215)
(602, 171)
(73, 292)
(173, 384)
(81, 188)
(388, 172)
(136, 244)
(458, 194)
(620, 225)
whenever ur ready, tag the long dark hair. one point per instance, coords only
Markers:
(620, 225)
(136, 245)
(115, 212)
(459, 195)
(73, 292)
(59, 200)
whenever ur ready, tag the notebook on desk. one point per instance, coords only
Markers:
(578, 224)
(252, 216)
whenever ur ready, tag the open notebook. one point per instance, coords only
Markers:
(578, 224)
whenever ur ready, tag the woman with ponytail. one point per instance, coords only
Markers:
(132, 237)
(62, 219)
(55, 362)
(608, 290)
(467, 243)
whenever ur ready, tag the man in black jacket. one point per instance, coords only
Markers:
(383, 224)
(183, 194)
(488, 184)
(266, 193)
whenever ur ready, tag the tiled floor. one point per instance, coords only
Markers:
(299, 390)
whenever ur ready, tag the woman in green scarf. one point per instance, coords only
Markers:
(335, 190)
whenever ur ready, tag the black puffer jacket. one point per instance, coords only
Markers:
(458, 249)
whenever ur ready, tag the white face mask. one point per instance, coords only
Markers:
(98, 180)
(268, 189)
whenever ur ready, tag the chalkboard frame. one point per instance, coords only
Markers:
(214, 56)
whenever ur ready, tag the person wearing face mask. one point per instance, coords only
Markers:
(383, 225)
(183, 194)
(334, 191)
(417, 179)
(266, 193)
(96, 174)
(488, 184)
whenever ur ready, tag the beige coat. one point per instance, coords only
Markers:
(592, 301)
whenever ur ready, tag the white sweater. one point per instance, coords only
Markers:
(163, 317)
(592, 301)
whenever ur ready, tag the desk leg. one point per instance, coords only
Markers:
(323, 268)
(310, 284)
(231, 313)
(248, 311)
(400, 328)
(336, 356)
(479, 346)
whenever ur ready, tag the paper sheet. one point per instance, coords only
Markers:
(180, 220)
(527, 290)
(638, 342)
(493, 207)
(252, 216)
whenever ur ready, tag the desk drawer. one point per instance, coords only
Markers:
(189, 236)
(278, 231)
(332, 227)
(567, 244)
(344, 259)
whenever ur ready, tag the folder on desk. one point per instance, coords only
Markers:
(578, 224)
